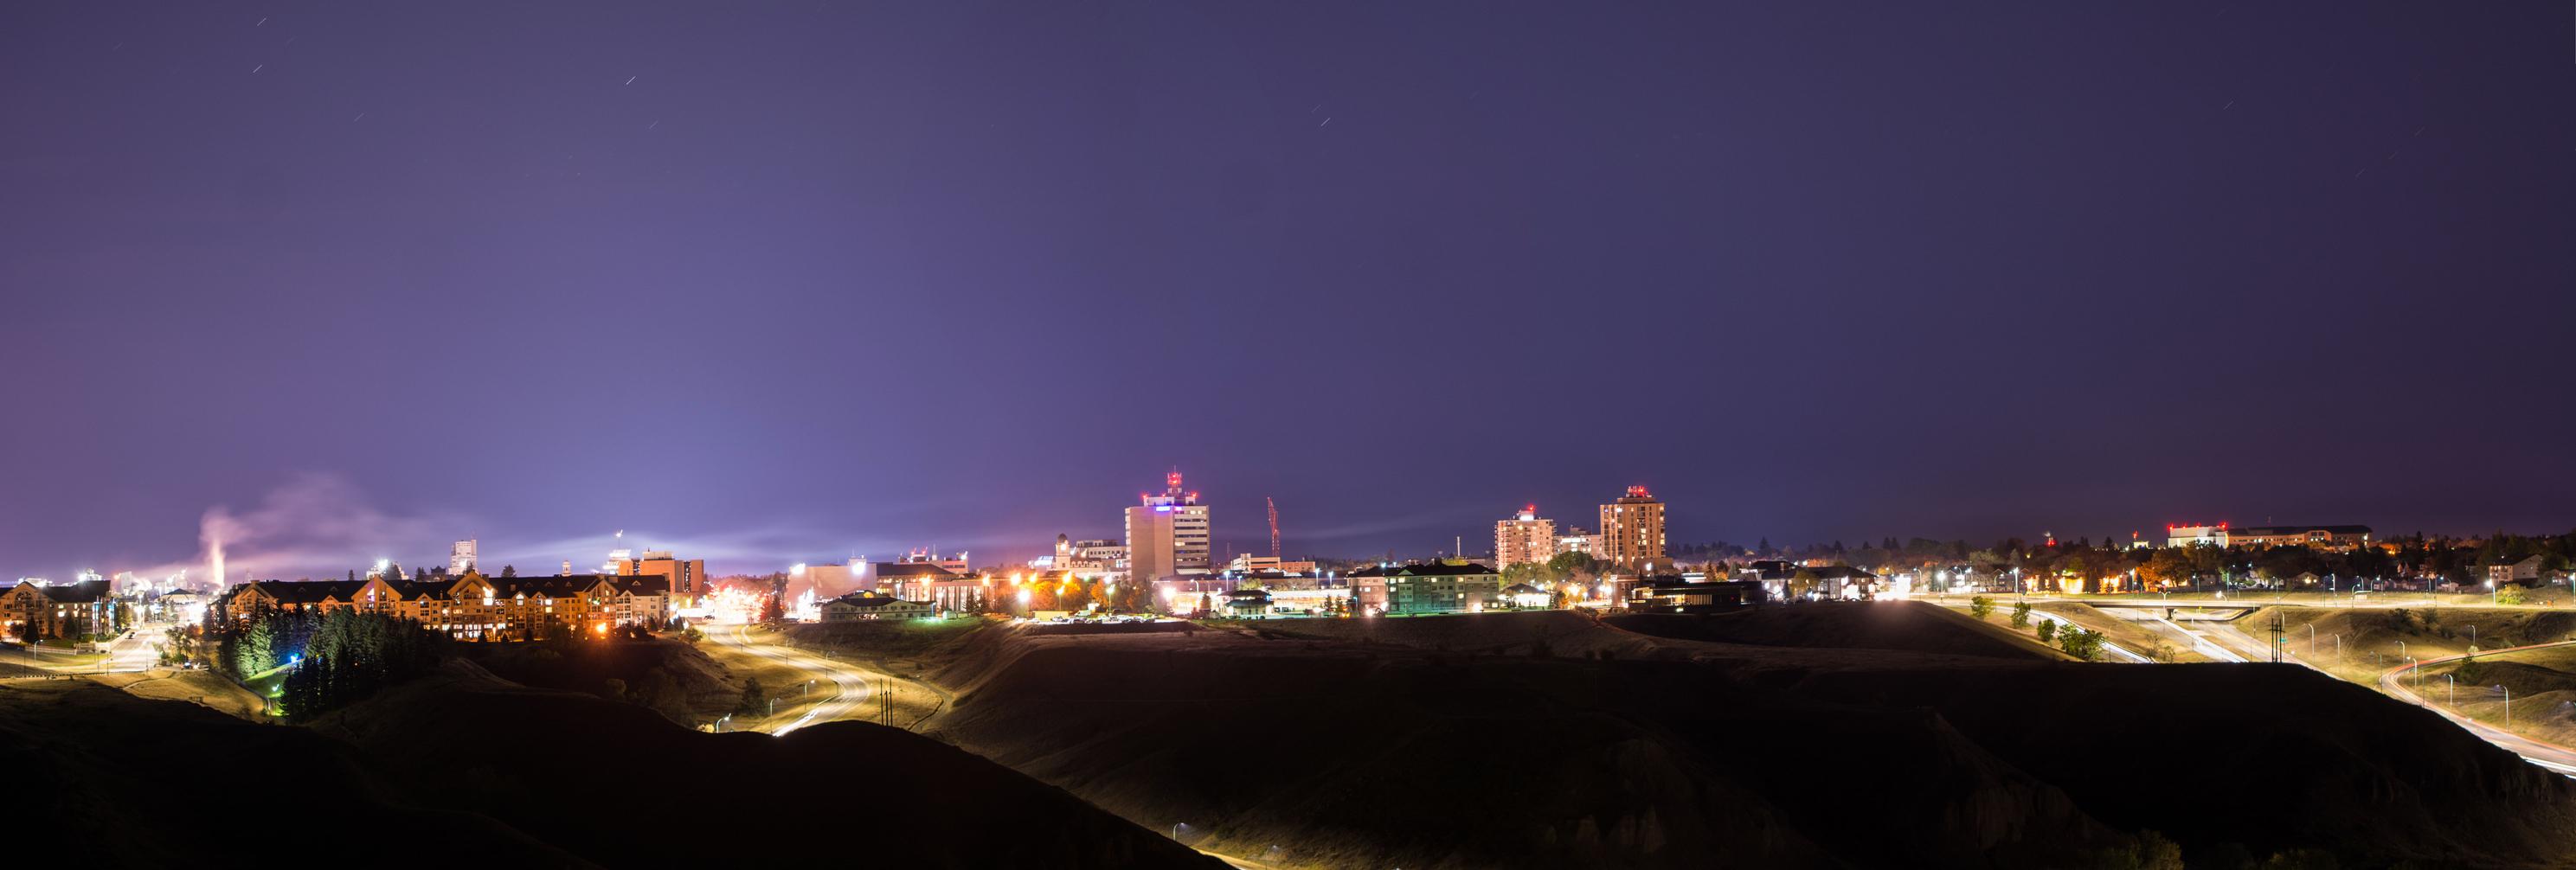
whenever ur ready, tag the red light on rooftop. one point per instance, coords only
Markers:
(1638, 491)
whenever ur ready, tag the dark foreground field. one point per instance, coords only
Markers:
(465, 770)
(1882, 735)
(1860, 735)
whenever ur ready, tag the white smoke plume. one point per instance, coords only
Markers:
(316, 525)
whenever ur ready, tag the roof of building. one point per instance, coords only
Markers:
(1522, 589)
(2270, 531)
(911, 569)
(83, 592)
(1248, 594)
(309, 591)
(868, 599)
(1424, 569)
(555, 586)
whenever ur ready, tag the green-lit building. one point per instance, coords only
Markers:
(1445, 586)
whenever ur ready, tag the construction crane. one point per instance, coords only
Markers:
(1274, 526)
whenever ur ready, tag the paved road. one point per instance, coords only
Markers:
(134, 652)
(2107, 646)
(2550, 756)
(850, 685)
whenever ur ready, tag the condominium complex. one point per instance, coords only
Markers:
(1524, 538)
(1167, 535)
(1632, 529)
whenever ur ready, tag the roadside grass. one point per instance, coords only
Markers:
(2373, 640)
(786, 682)
(203, 688)
(2540, 683)
(2127, 634)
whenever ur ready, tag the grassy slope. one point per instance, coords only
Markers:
(2374, 640)
(125, 781)
(1903, 626)
(2542, 686)
(2128, 634)
(203, 688)
(642, 792)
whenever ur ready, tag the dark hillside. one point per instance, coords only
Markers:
(1906, 626)
(618, 784)
(123, 781)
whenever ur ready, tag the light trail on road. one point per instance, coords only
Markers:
(849, 684)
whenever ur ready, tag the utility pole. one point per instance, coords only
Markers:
(2278, 629)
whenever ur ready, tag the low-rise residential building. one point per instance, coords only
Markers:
(2525, 570)
(870, 604)
(1783, 580)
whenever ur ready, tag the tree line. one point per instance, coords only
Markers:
(330, 658)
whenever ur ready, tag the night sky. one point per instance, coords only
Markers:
(789, 282)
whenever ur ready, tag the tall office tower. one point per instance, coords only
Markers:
(1632, 530)
(1167, 535)
(460, 556)
(1524, 538)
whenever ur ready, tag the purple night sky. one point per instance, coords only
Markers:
(788, 282)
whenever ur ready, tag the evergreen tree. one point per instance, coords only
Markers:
(752, 699)
(509, 570)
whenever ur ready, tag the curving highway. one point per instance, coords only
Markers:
(850, 685)
(2551, 756)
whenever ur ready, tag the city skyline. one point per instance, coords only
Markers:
(322, 503)
(700, 276)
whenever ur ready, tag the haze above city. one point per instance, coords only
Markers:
(806, 281)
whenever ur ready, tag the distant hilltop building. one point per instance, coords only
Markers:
(1167, 535)
(461, 556)
(2221, 535)
(1632, 530)
(1524, 538)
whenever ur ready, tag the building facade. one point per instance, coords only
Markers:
(1167, 535)
(1524, 538)
(1426, 588)
(474, 606)
(1576, 540)
(686, 578)
(67, 610)
(2316, 537)
(461, 556)
(869, 604)
(1632, 530)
